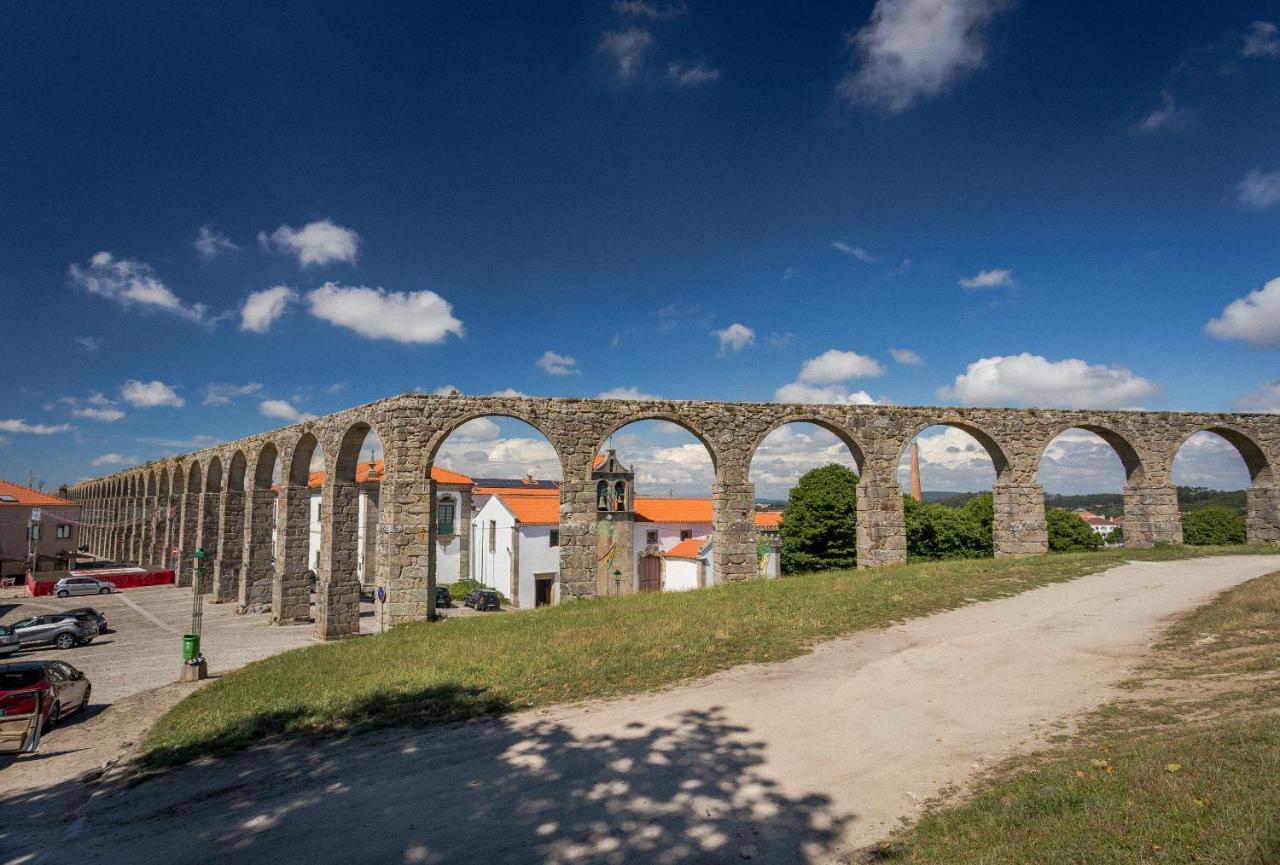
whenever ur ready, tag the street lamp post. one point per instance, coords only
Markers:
(194, 666)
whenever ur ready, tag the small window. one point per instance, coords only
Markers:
(686, 534)
(493, 535)
(64, 532)
(33, 533)
(444, 521)
(554, 538)
(651, 536)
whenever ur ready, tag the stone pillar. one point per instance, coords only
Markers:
(172, 522)
(406, 550)
(369, 525)
(138, 524)
(882, 527)
(337, 586)
(577, 531)
(1262, 517)
(258, 555)
(229, 547)
(1151, 515)
(462, 524)
(290, 589)
(207, 537)
(733, 531)
(1019, 528)
(189, 518)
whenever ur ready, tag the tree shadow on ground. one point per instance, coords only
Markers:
(694, 788)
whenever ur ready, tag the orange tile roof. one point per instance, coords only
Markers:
(600, 458)
(656, 510)
(372, 472)
(27, 497)
(517, 491)
(768, 519)
(690, 549)
(535, 510)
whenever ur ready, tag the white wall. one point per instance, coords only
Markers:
(448, 555)
(668, 534)
(682, 575)
(537, 556)
(492, 568)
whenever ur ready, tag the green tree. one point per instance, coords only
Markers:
(1213, 526)
(1068, 532)
(935, 531)
(1116, 537)
(819, 523)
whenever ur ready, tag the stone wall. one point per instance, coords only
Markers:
(412, 427)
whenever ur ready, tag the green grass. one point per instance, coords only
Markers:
(429, 673)
(1185, 770)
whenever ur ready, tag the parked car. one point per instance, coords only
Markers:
(65, 689)
(99, 617)
(60, 629)
(484, 599)
(9, 642)
(443, 597)
(83, 586)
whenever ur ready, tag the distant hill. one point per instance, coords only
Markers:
(1104, 504)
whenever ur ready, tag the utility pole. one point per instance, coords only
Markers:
(194, 666)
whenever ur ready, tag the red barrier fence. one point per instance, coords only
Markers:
(46, 581)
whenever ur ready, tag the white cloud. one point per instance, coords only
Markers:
(1254, 318)
(1264, 399)
(836, 394)
(89, 343)
(261, 308)
(1078, 462)
(691, 74)
(131, 283)
(1031, 380)
(282, 410)
(150, 394)
(735, 337)
(906, 357)
(210, 243)
(1000, 277)
(632, 393)
(627, 51)
(315, 243)
(1208, 460)
(446, 390)
(18, 425)
(780, 340)
(509, 392)
(1259, 189)
(1262, 40)
(856, 251)
(915, 49)
(106, 415)
(114, 459)
(657, 12)
(221, 393)
(408, 317)
(790, 451)
(950, 459)
(1168, 116)
(557, 364)
(833, 365)
(480, 429)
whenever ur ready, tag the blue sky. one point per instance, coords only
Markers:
(1055, 204)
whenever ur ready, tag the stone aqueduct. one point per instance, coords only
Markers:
(222, 498)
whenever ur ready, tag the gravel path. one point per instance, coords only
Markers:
(803, 761)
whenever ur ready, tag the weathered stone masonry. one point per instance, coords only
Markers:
(233, 521)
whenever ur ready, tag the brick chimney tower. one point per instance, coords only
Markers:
(915, 473)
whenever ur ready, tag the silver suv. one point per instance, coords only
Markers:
(60, 629)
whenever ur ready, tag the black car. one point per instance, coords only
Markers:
(484, 600)
(96, 615)
(443, 598)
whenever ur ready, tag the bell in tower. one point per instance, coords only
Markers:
(615, 524)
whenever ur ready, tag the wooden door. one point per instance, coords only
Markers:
(650, 574)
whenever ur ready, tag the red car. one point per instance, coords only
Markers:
(58, 687)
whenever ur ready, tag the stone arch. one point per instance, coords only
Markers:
(999, 459)
(213, 475)
(1255, 459)
(290, 587)
(440, 436)
(845, 437)
(347, 455)
(1135, 469)
(236, 471)
(264, 466)
(686, 424)
(298, 473)
(193, 478)
(258, 557)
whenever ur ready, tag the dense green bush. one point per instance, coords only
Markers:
(1069, 533)
(819, 525)
(1213, 526)
(935, 531)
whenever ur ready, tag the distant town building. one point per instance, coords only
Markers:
(1102, 526)
(52, 539)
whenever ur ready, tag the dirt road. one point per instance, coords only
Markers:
(803, 761)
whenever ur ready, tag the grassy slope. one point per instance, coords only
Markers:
(1186, 770)
(421, 674)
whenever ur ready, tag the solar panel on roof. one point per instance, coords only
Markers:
(8, 498)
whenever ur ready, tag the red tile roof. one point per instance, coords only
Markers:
(25, 497)
(372, 472)
(533, 510)
(690, 549)
(768, 519)
(656, 510)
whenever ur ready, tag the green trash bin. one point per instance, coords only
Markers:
(190, 646)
